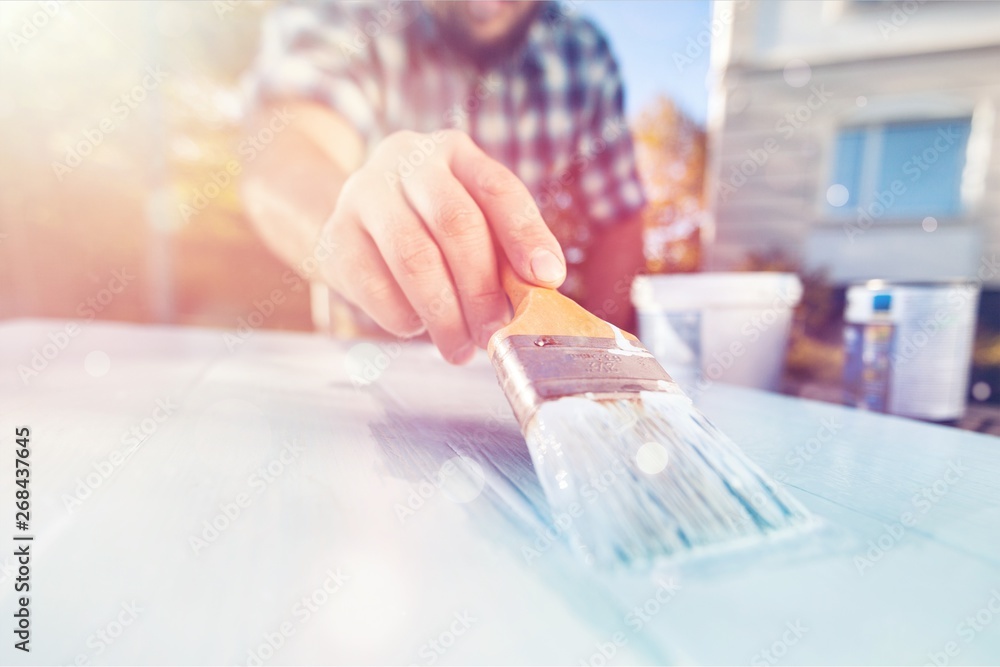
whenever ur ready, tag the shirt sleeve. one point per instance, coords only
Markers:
(317, 51)
(610, 188)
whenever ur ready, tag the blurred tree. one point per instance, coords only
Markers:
(222, 267)
(670, 151)
(74, 111)
(128, 119)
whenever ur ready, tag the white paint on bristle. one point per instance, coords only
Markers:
(625, 346)
(592, 459)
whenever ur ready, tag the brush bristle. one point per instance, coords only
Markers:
(644, 477)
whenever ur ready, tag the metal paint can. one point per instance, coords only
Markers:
(909, 347)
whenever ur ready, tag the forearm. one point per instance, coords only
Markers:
(291, 187)
(615, 258)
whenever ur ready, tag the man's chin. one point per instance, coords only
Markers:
(484, 12)
(489, 54)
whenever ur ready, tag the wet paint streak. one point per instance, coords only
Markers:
(415, 447)
(625, 346)
(708, 492)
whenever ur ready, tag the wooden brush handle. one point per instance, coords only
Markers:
(517, 288)
(541, 311)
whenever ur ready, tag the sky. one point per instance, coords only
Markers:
(645, 35)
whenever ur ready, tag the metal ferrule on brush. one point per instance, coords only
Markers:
(536, 369)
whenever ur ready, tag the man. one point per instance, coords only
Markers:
(424, 137)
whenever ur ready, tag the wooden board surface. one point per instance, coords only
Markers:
(346, 530)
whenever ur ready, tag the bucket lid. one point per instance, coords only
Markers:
(876, 284)
(694, 291)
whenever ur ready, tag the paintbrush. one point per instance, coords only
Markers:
(632, 470)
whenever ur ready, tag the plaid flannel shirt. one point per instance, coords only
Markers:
(552, 112)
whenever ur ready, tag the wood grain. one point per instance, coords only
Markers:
(365, 446)
(544, 311)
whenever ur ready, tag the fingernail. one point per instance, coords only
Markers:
(546, 267)
(415, 331)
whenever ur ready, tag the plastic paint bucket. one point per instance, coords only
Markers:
(909, 347)
(726, 327)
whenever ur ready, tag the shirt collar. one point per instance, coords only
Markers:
(539, 39)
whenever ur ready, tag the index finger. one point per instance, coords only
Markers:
(511, 213)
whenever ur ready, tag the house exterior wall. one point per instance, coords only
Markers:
(789, 74)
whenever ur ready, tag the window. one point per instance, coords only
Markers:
(900, 170)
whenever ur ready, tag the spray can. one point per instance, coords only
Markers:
(868, 341)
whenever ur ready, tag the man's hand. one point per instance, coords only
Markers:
(417, 252)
